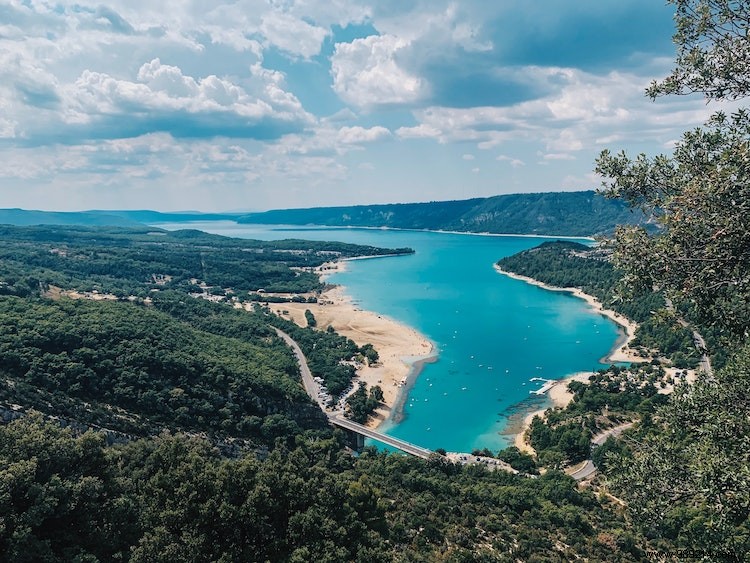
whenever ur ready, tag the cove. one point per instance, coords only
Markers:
(494, 337)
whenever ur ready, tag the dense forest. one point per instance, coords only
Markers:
(174, 498)
(559, 213)
(134, 261)
(176, 428)
(138, 369)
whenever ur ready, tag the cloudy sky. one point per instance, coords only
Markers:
(258, 104)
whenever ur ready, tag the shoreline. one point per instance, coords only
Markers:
(621, 351)
(441, 231)
(557, 394)
(313, 226)
(402, 350)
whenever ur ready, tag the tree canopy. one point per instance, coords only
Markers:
(685, 477)
(713, 50)
(700, 195)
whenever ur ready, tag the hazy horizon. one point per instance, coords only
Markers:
(240, 211)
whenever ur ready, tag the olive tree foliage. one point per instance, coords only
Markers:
(686, 477)
(699, 196)
(688, 480)
(713, 52)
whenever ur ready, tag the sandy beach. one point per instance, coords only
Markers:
(398, 345)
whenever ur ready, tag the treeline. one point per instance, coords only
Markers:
(553, 213)
(330, 356)
(173, 498)
(611, 397)
(138, 369)
(570, 264)
(127, 262)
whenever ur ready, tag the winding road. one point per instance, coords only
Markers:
(588, 467)
(698, 341)
(336, 417)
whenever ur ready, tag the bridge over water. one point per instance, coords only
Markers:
(364, 432)
(357, 432)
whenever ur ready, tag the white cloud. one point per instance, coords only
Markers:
(293, 35)
(585, 111)
(357, 134)
(468, 157)
(558, 156)
(420, 131)
(235, 38)
(366, 73)
(514, 162)
(163, 98)
(332, 12)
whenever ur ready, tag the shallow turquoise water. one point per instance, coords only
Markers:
(492, 334)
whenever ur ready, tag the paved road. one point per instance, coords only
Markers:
(698, 342)
(589, 468)
(307, 378)
(335, 418)
(700, 345)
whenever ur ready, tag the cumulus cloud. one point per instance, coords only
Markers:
(421, 131)
(514, 162)
(163, 98)
(293, 35)
(366, 73)
(584, 111)
(357, 134)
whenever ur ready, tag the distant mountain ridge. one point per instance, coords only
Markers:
(26, 217)
(147, 216)
(111, 218)
(549, 213)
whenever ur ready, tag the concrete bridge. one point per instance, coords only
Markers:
(357, 432)
(363, 432)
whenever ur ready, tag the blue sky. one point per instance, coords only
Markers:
(259, 104)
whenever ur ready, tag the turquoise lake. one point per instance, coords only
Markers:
(492, 334)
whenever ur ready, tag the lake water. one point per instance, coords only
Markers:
(492, 334)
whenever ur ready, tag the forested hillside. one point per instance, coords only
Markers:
(133, 262)
(218, 452)
(23, 217)
(137, 370)
(552, 213)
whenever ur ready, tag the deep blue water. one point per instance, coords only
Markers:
(492, 334)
